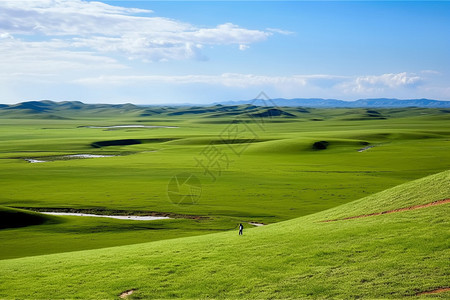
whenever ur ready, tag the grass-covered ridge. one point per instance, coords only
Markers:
(387, 256)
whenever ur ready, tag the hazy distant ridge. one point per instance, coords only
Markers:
(379, 102)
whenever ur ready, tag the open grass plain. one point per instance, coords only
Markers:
(253, 164)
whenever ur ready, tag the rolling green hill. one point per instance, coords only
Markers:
(285, 167)
(391, 255)
(68, 110)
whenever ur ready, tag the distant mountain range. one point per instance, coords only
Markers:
(287, 109)
(363, 103)
(47, 106)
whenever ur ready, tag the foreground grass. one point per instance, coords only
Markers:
(387, 256)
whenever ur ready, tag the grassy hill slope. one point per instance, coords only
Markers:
(386, 256)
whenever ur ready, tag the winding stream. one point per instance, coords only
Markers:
(135, 218)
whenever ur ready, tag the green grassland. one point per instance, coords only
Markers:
(387, 256)
(272, 172)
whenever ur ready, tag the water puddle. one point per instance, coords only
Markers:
(134, 218)
(75, 156)
(66, 157)
(365, 148)
(34, 161)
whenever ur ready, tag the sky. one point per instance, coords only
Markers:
(151, 52)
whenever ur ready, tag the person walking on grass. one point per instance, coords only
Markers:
(241, 228)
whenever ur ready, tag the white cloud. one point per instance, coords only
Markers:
(225, 34)
(381, 83)
(212, 87)
(320, 83)
(71, 6)
(62, 17)
(6, 35)
(167, 44)
(49, 57)
(94, 26)
(243, 47)
(207, 88)
(430, 72)
(280, 31)
(226, 79)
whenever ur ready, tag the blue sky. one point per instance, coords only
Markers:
(149, 52)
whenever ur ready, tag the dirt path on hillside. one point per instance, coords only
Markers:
(439, 202)
(126, 293)
(256, 224)
(440, 290)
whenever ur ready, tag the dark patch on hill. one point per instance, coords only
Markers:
(14, 218)
(235, 110)
(125, 142)
(373, 114)
(151, 112)
(191, 111)
(250, 107)
(128, 142)
(302, 110)
(154, 111)
(322, 145)
(157, 140)
(224, 114)
(273, 112)
(240, 141)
